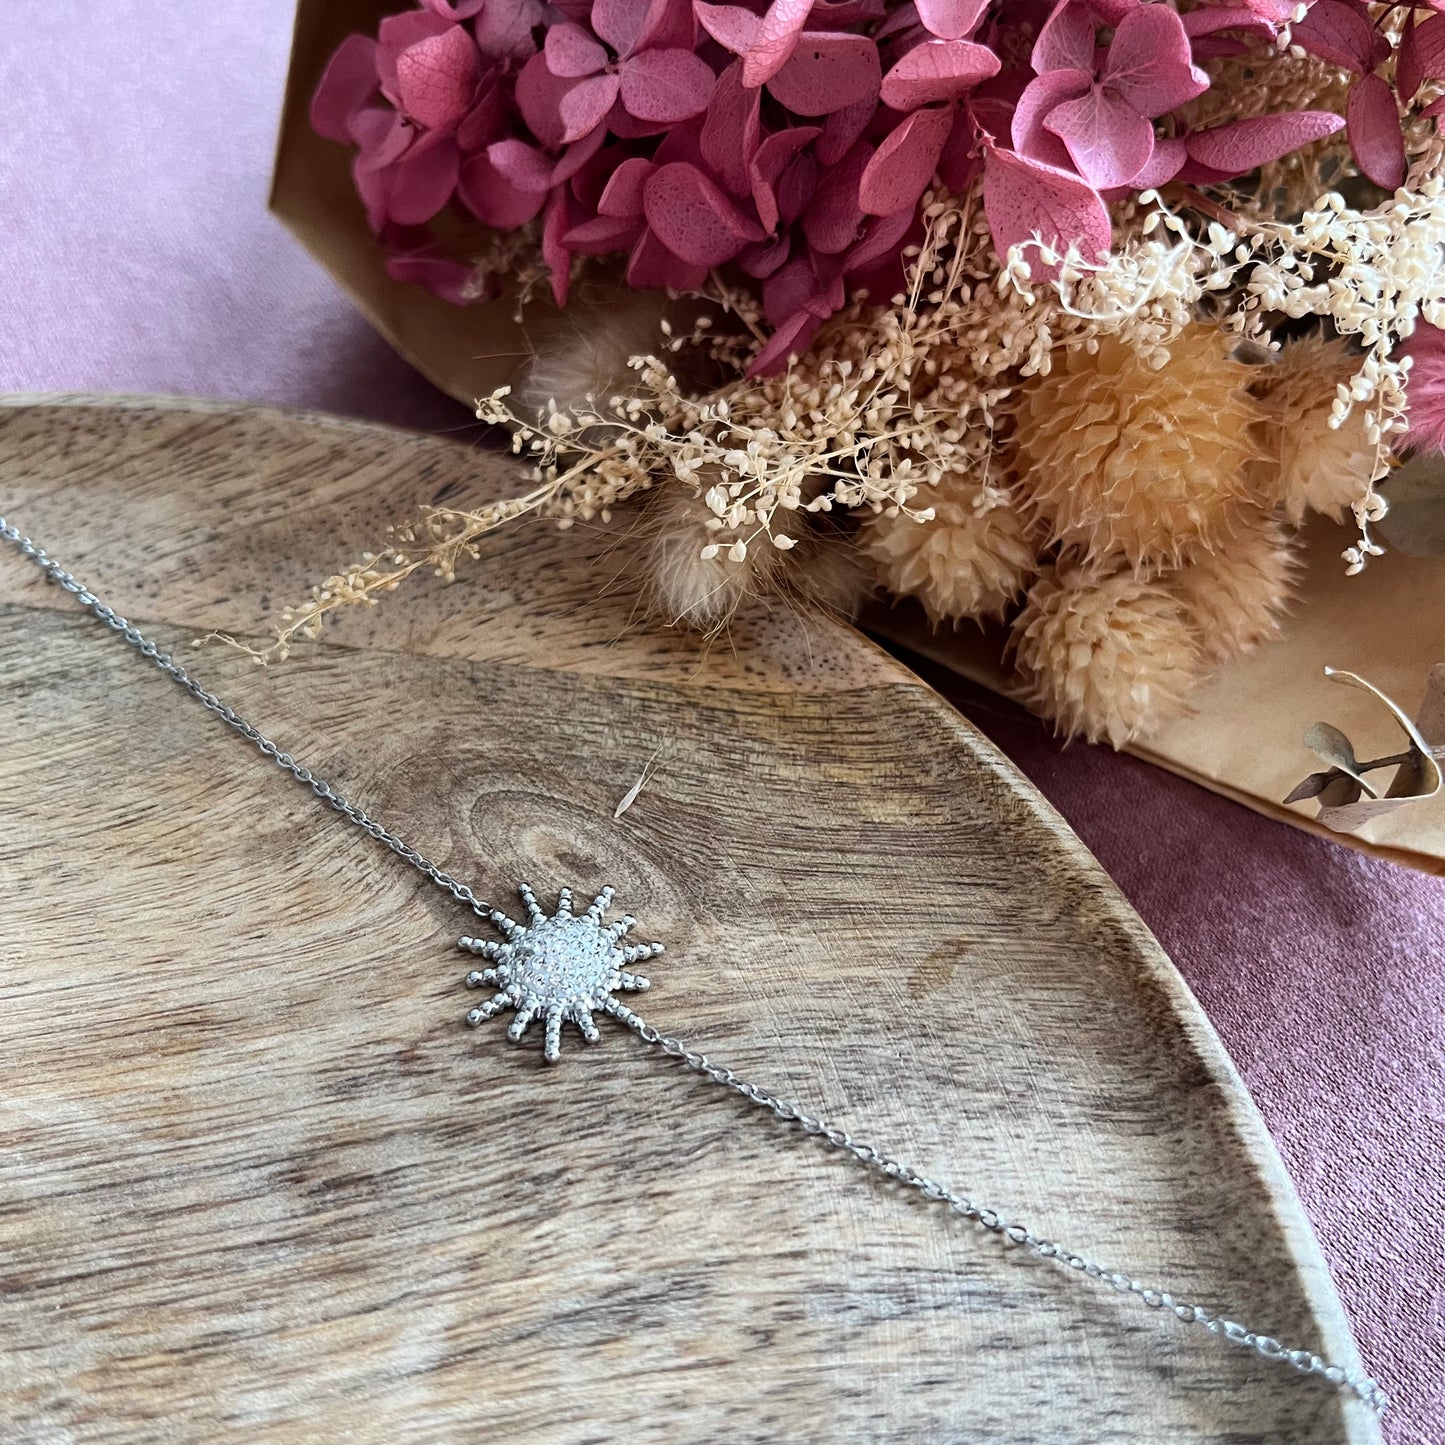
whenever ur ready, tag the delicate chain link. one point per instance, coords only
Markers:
(1306, 1362)
(228, 715)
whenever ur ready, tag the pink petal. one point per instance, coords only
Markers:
(899, 21)
(1435, 108)
(347, 83)
(397, 33)
(631, 26)
(681, 143)
(730, 132)
(585, 106)
(1409, 75)
(937, 70)
(830, 295)
(731, 26)
(1275, 11)
(1111, 12)
(442, 277)
(768, 164)
(619, 22)
(1024, 198)
(492, 198)
(436, 78)
(1241, 145)
(796, 187)
(539, 96)
(834, 216)
(843, 128)
(885, 235)
(454, 9)
(666, 85)
(374, 188)
(652, 264)
(991, 106)
(572, 53)
(554, 247)
(384, 137)
(789, 290)
(1425, 390)
(827, 72)
(603, 235)
(1375, 136)
(628, 127)
(504, 32)
(1211, 19)
(1149, 62)
(763, 258)
(1066, 41)
(576, 156)
(904, 163)
(775, 41)
(1170, 153)
(789, 340)
(670, 25)
(483, 122)
(524, 166)
(1040, 96)
(423, 183)
(1338, 33)
(951, 19)
(846, 14)
(622, 196)
(1430, 48)
(694, 217)
(962, 157)
(1213, 47)
(1107, 139)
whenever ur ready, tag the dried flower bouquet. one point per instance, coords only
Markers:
(1059, 312)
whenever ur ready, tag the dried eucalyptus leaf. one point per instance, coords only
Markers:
(1342, 789)
(1347, 800)
(1331, 746)
(1311, 787)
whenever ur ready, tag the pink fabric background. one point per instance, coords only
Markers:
(135, 144)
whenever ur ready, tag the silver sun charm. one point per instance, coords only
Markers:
(559, 968)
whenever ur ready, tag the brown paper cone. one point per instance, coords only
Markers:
(467, 351)
(1245, 738)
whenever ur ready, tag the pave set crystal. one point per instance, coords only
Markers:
(559, 968)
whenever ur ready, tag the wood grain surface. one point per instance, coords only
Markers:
(257, 1179)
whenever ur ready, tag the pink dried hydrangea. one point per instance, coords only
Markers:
(1426, 388)
(794, 141)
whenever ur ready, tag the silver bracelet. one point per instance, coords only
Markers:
(565, 967)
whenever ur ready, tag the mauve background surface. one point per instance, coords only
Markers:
(137, 256)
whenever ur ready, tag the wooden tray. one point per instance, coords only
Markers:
(260, 1180)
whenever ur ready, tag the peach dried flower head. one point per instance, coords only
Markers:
(972, 560)
(1236, 597)
(1106, 658)
(1312, 462)
(1134, 463)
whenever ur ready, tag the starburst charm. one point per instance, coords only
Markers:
(559, 969)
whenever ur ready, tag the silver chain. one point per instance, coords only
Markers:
(1306, 1362)
(228, 715)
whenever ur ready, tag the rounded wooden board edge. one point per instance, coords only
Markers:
(1244, 1116)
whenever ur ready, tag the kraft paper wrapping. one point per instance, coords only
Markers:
(1245, 738)
(466, 351)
